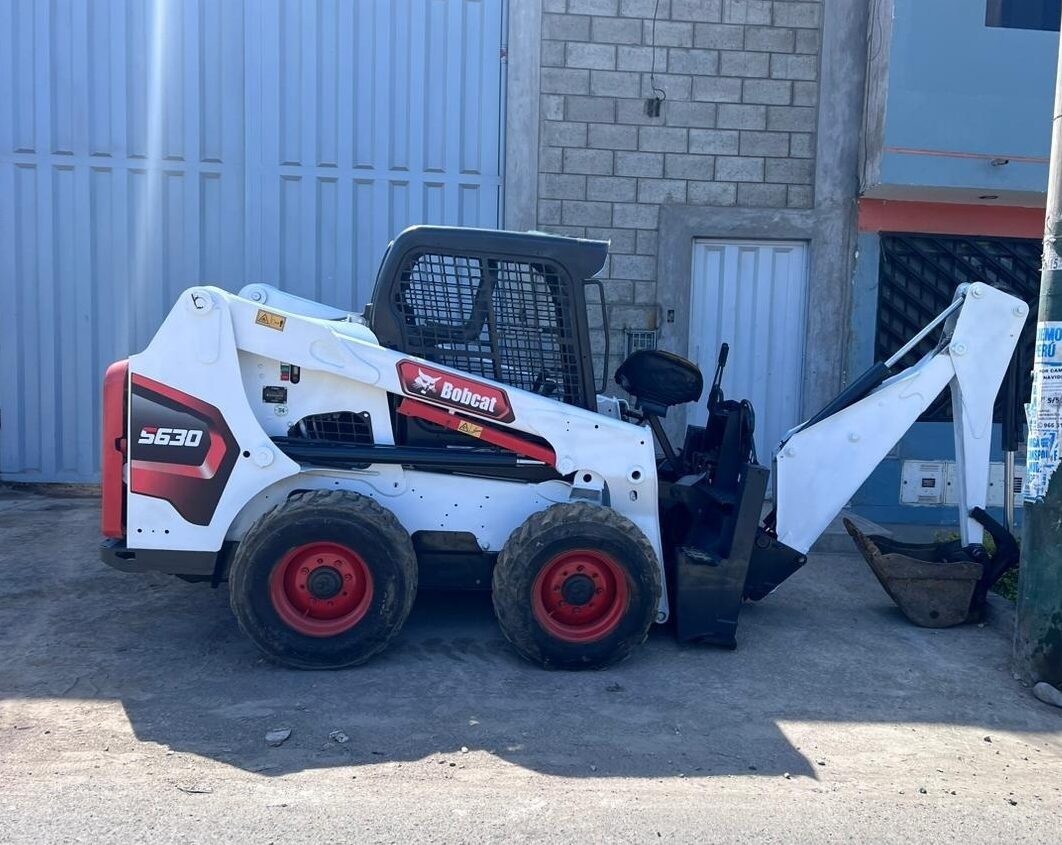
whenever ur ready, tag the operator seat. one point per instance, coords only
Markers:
(658, 380)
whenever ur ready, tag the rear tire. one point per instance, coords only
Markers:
(324, 580)
(576, 586)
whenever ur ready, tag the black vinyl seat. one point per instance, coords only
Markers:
(659, 380)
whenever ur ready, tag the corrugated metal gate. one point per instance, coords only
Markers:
(148, 146)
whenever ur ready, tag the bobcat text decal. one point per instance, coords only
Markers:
(455, 391)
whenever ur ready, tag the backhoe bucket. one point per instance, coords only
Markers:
(930, 582)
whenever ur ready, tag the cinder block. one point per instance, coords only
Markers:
(685, 166)
(729, 116)
(739, 169)
(593, 7)
(694, 62)
(607, 136)
(761, 196)
(613, 83)
(549, 212)
(719, 36)
(784, 66)
(668, 33)
(616, 31)
(549, 159)
(646, 241)
(556, 80)
(633, 267)
(770, 39)
(744, 64)
(552, 54)
(591, 162)
(639, 164)
(594, 56)
(697, 10)
(717, 89)
(645, 8)
(566, 27)
(801, 196)
(645, 293)
(714, 141)
(662, 190)
(561, 186)
(640, 58)
(807, 15)
(790, 118)
(701, 115)
(662, 139)
(808, 41)
(635, 216)
(563, 133)
(802, 145)
(632, 316)
(576, 213)
(747, 11)
(551, 107)
(591, 109)
(711, 193)
(764, 143)
(794, 171)
(805, 93)
(770, 92)
(611, 189)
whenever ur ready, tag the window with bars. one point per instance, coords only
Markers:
(509, 321)
(917, 278)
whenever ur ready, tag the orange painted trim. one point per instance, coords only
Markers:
(946, 218)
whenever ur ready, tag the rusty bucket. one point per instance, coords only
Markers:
(934, 584)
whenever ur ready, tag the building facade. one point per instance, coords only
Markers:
(957, 137)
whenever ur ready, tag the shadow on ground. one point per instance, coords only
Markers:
(827, 647)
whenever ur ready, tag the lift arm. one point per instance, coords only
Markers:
(821, 464)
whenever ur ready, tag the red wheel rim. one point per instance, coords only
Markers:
(321, 589)
(580, 596)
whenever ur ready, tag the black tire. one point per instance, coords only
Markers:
(541, 561)
(371, 550)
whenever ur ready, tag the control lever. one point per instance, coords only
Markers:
(715, 394)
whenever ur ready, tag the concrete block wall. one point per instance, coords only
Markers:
(737, 127)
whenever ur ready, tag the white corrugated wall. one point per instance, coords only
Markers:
(148, 146)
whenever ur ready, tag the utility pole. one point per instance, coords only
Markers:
(1038, 638)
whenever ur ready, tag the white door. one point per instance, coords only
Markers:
(751, 295)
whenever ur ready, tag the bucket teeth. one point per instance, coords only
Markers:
(929, 582)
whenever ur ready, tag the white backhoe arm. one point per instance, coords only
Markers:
(819, 467)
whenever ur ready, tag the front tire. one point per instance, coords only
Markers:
(577, 586)
(324, 580)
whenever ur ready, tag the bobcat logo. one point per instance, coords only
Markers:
(425, 384)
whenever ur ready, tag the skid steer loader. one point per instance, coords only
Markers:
(453, 435)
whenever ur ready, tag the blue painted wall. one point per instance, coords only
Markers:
(958, 86)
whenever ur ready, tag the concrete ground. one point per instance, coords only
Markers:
(131, 709)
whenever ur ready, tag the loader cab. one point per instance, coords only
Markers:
(506, 306)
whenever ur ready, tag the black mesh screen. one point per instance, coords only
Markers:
(503, 320)
(917, 278)
(337, 427)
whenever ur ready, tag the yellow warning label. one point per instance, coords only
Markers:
(470, 428)
(270, 320)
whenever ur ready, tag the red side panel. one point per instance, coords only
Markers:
(115, 385)
(499, 437)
